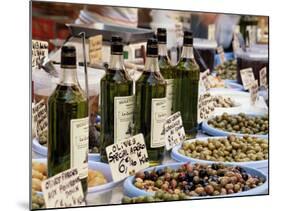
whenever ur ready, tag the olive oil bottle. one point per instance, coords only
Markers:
(165, 67)
(187, 72)
(151, 105)
(68, 122)
(117, 100)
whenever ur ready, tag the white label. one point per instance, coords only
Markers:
(205, 107)
(79, 139)
(63, 190)
(123, 117)
(263, 77)
(254, 92)
(127, 157)
(39, 52)
(221, 54)
(174, 131)
(204, 80)
(211, 32)
(95, 49)
(169, 95)
(158, 118)
(247, 77)
(39, 113)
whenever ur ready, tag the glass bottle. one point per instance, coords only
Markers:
(117, 100)
(187, 71)
(166, 67)
(151, 105)
(68, 122)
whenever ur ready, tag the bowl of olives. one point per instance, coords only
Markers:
(237, 124)
(243, 151)
(180, 181)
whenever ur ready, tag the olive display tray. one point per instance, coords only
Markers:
(218, 132)
(131, 191)
(42, 150)
(261, 165)
(98, 166)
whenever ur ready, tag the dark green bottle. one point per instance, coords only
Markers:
(68, 122)
(151, 105)
(187, 71)
(166, 67)
(117, 100)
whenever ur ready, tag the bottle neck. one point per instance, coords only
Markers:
(187, 52)
(68, 76)
(116, 62)
(151, 64)
(162, 49)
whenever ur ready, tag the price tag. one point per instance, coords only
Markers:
(254, 92)
(235, 42)
(211, 32)
(247, 77)
(63, 190)
(263, 77)
(39, 113)
(95, 49)
(174, 131)
(205, 106)
(221, 54)
(39, 52)
(204, 80)
(127, 157)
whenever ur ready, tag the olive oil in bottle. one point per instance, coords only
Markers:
(68, 122)
(117, 100)
(151, 105)
(187, 72)
(165, 67)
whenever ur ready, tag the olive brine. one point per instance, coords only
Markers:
(165, 67)
(68, 122)
(151, 105)
(117, 100)
(186, 87)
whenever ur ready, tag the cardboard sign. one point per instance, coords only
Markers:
(254, 92)
(39, 113)
(95, 49)
(205, 106)
(63, 190)
(221, 54)
(127, 157)
(263, 77)
(247, 77)
(174, 131)
(211, 32)
(39, 52)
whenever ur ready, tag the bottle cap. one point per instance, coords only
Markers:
(187, 38)
(68, 56)
(116, 45)
(162, 35)
(152, 47)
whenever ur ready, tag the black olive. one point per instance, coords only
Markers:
(215, 166)
(202, 173)
(160, 172)
(146, 175)
(189, 177)
(245, 176)
(245, 188)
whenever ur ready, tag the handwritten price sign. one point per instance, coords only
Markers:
(63, 190)
(127, 157)
(39, 52)
(247, 77)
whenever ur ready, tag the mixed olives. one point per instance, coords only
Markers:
(223, 102)
(241, 123)
(227, 70)
(196, 180)
(230, 149)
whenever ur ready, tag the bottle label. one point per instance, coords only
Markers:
(123, 117)
(158, 118)
(169, 95)
(79, 139)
